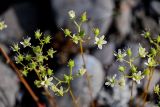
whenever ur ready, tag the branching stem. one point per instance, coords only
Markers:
(8, 60)
(87, 75)
(147, 87)
(131, 97)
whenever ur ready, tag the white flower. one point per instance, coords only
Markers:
(151, 62)
(75, 39)
(146, 34)
(120, 55)
(111, 81)
(122, 81)
(142, 51)
(47, 82)
(15, 47)
(72, 14)
(137, 77)
(26, 42)
(82, 71)
(100, 41)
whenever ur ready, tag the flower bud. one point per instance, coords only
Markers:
(72, 14)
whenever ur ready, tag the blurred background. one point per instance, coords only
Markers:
(121, 21)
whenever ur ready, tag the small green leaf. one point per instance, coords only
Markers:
(146, 72)
(19, 58)
(40, 58)
(38, 34)
(96, 31)
(66, 78)
(32, 65)
(38, 83)
(84, 17)
(82, 34)
(49, 72)
(121, 68)
(71, 63)
(129, 52)
(142, 51)
(67, 32)
(15, 48)
(158, 39)
(25, 72)
(133, 69)
(51, 52)
(26, 42)
(47, 39)
(37, 50)
(28, 57)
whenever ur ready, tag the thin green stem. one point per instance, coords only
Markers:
(127, 76)
(51, 99)
(87, 76)
(128, 62)
(131, 97)
(78, 26)
(73, 97)
(147, 87)
(144, 94)
(70, 90)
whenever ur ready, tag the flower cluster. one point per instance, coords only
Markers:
(35, 59)
(157, 89)
(120, 55)
(142, 51)
(151, 58)
(157, 92)
(100, 41)
(127, 57)
(2, 25)
(113, 81)
(137, 77)
(79, 36)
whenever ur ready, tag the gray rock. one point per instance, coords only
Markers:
(8, 86)
(13, 32)
(155, 5)
(80, 85)
(124, 19)
(104, 97)
(4, 47)
(149, 24)
(28, 16)
(119, 97)
(95, 71)
(99, 14)
(106, 54)
(148, 104)
(152, 25)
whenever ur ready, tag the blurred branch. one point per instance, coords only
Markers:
(8, 60)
